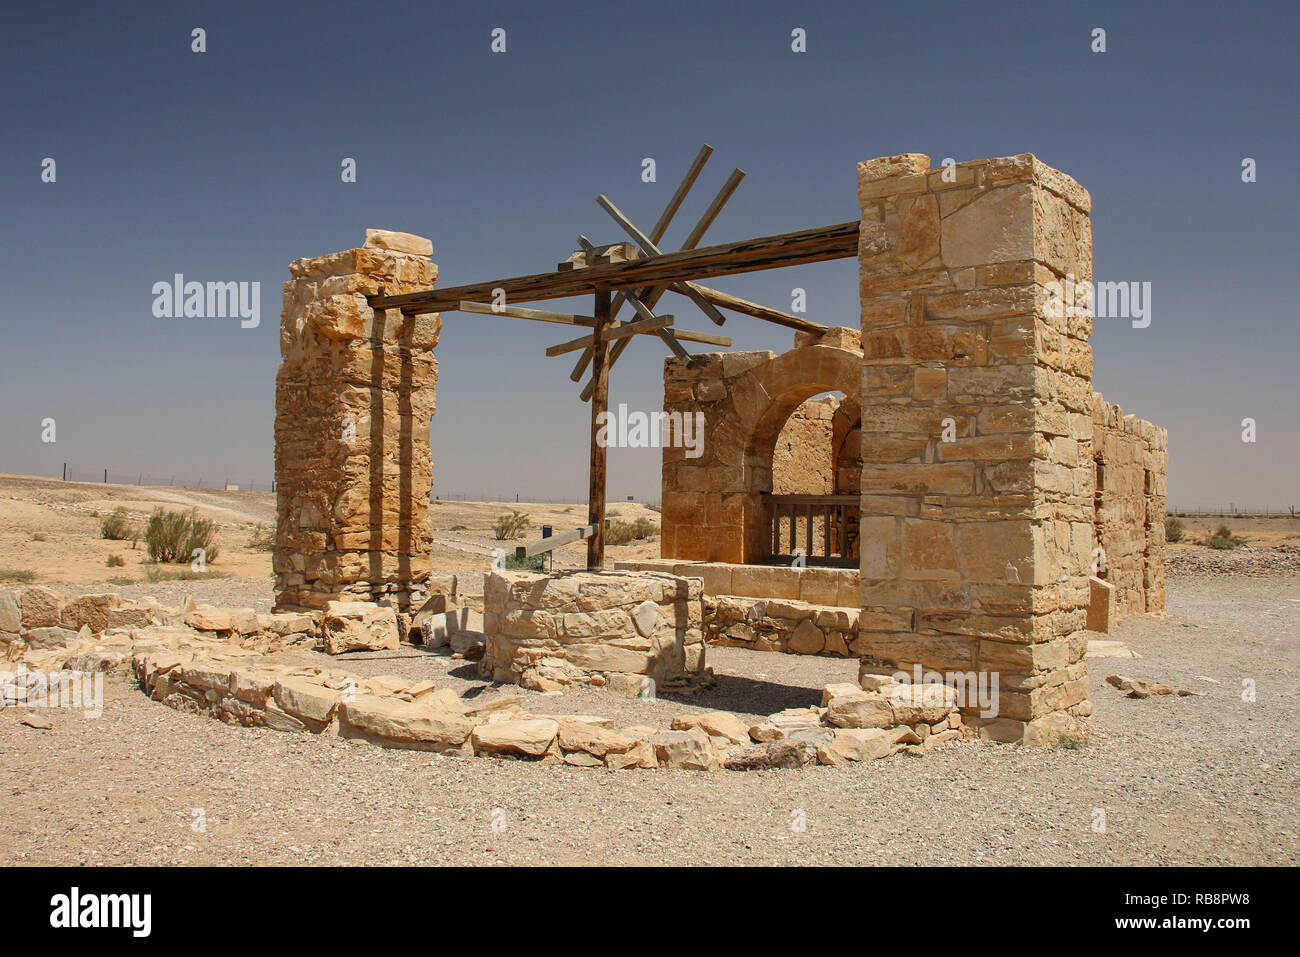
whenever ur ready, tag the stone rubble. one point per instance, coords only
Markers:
(216, 661)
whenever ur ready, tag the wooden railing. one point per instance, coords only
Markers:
(796, 521)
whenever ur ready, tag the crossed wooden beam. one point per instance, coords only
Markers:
(643, 300)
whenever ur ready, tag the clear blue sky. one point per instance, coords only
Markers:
(225, 166)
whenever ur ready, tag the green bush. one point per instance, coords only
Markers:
(117, 527)
(1223, 539)
(534, 563)
(173, 536)
(1174, 529)
(510, 526)
(115, 561)
(40, 537)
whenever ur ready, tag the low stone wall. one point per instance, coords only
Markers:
(786, 625)
(598, 628)
(808, 611)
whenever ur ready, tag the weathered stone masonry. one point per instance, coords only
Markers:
(968, 404)
(975, 552)
(1132, 474)
(354, 400)
(976, 546)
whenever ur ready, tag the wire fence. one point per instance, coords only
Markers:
(241, 483)
(528, 498)
(106, 475)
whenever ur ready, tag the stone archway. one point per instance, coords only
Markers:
(713, 506)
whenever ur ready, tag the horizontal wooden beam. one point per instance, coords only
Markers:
(617, 330)
(708, 338)
(519, 312)
(554, 541)
(728, 259)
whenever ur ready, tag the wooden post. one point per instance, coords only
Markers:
(599, 408)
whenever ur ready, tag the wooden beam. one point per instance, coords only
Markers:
(650, 249)
(651, 295)
(744, 306)
(714, 209)
(670, 339)
(728, 259)
(684, 187)
(555, 541)
(709, 338)
(519, 312)
(656, 234)
(615, 330)
(599, 409)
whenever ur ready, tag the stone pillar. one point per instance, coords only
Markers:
(976, 432)
(354, 397)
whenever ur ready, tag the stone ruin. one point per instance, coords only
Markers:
(973, 507)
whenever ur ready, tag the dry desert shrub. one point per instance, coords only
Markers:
(117, 526)
(510, 526)
(620, 533)
(174, 536)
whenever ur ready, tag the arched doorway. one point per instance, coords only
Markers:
(801, 460)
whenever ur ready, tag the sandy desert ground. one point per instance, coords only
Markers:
(50, 531)
(1210, 778)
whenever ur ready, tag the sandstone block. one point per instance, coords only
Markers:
(531, 737)
(41, 607)
(369, 628)
(403, 724)
(407, 243)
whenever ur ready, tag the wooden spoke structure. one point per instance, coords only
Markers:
(638, 273)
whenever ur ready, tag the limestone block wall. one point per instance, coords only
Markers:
(1131, 458)
(780, 624)
(354, 399)
(802, 460)
(712, 505)
(976, 413)
(592, 628)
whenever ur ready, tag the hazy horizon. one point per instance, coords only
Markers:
(225, 166)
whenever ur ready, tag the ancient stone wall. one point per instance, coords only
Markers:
(1131, 459)
(354, 398)
(977, 429)
(712, 505)
(598, 628)
(803, 459)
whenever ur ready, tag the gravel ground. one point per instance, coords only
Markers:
(1245, 560)
(1208, 779)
